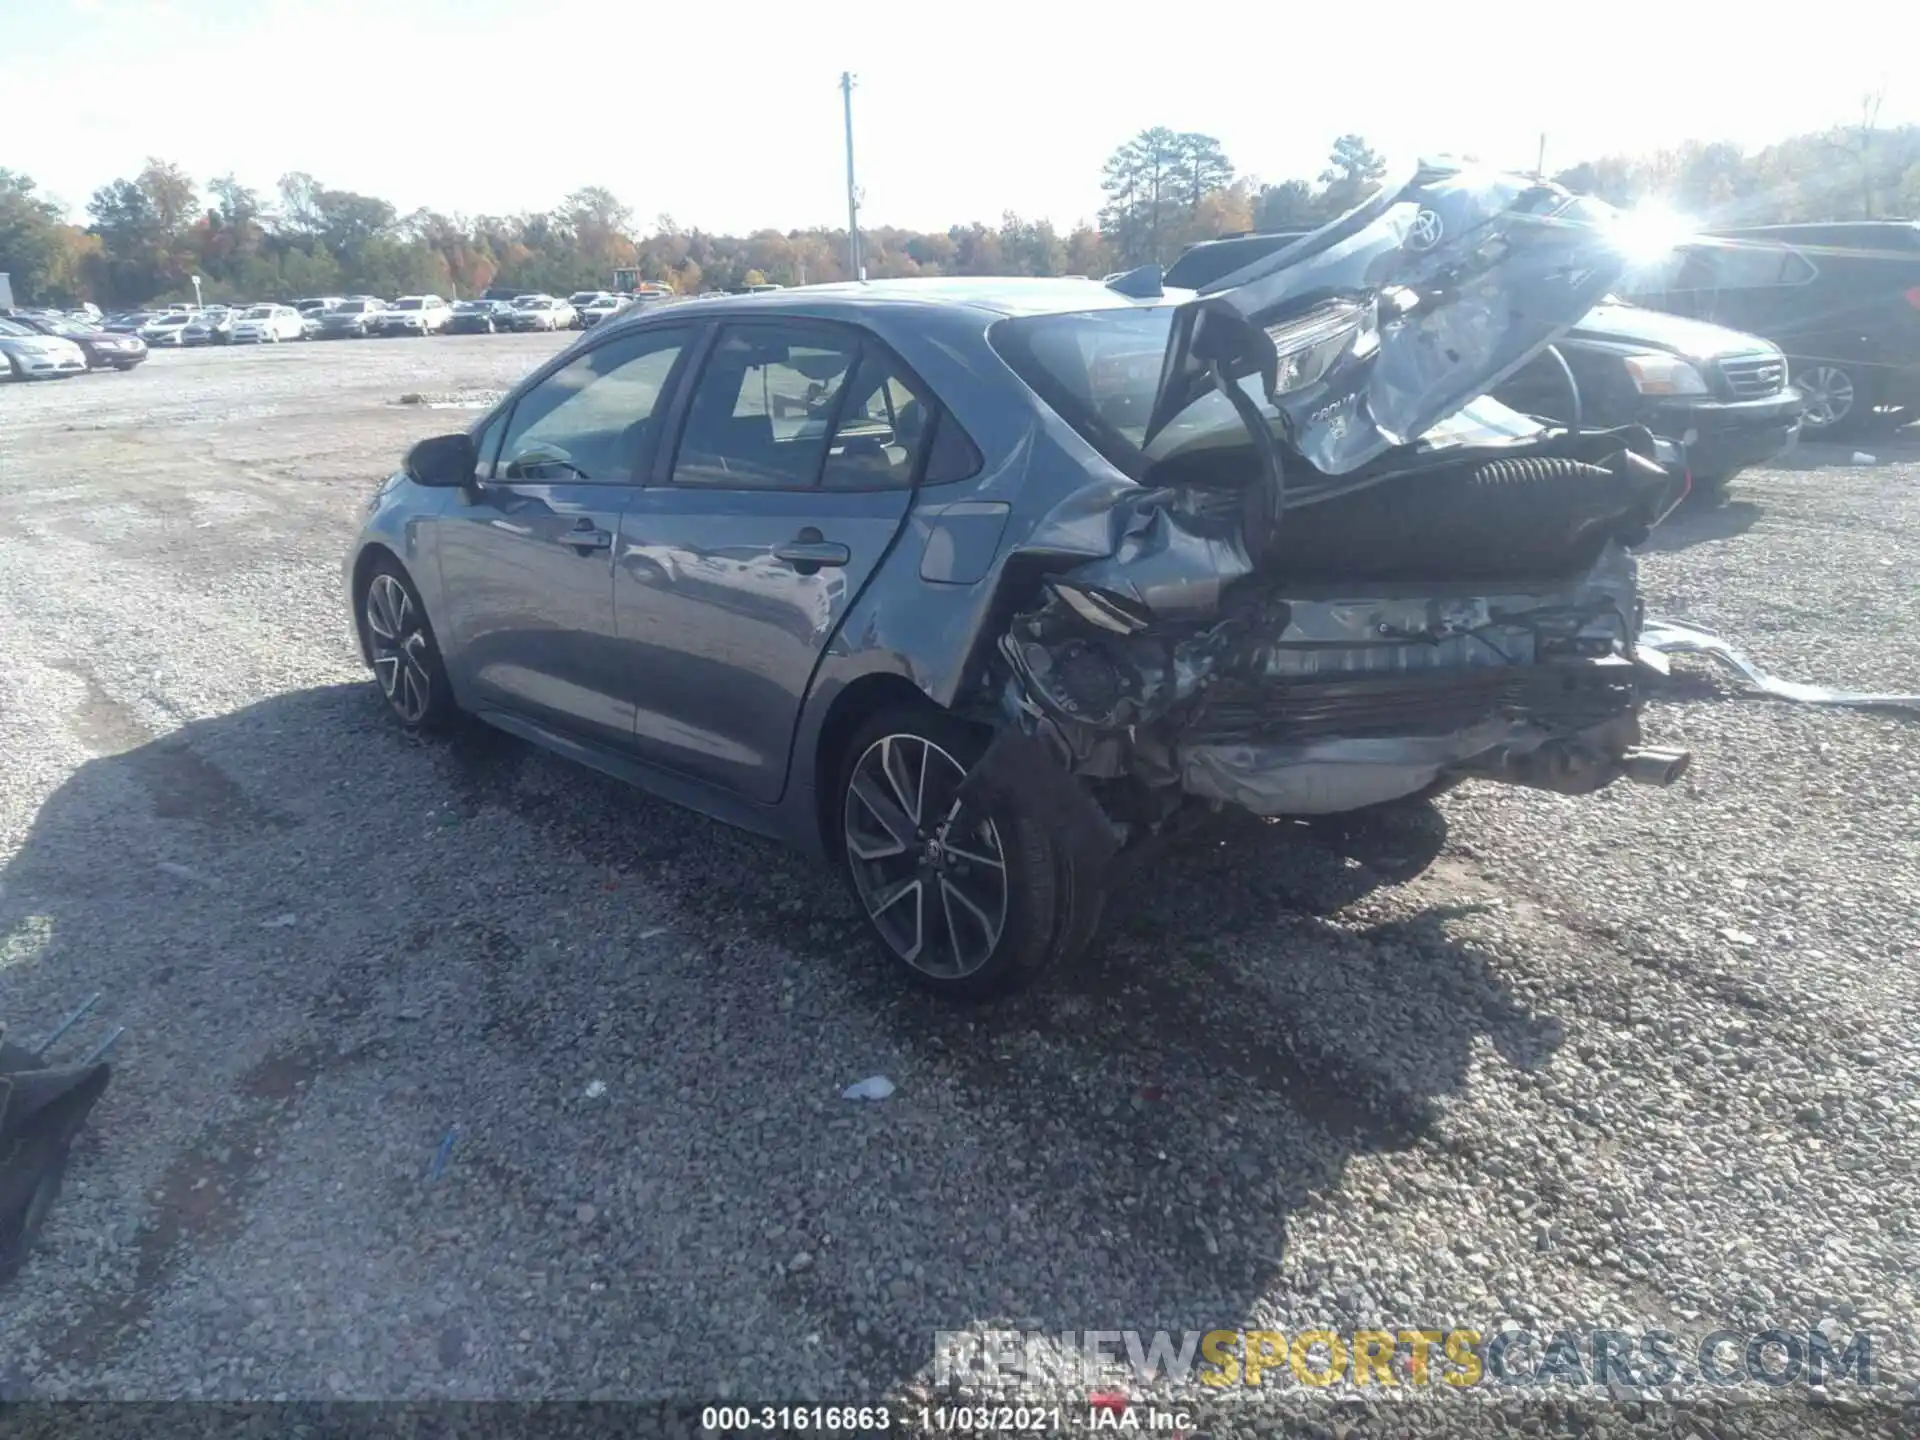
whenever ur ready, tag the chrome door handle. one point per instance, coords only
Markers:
(585, 535)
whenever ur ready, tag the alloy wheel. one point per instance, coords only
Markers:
(1829, 395)
(399, 645)
(933, 880)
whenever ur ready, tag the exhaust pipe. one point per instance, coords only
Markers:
(1655, 765)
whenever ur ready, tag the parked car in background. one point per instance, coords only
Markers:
(1720, 396)
(352, 319)
(600, 309)
(581, 299)
(319, 304)
(167, 328)
(480, 317)
(212, 326)
(416, 315)
(541, 312)
(1841, 300)
(26, 354)
(103, 349)
(127, 322)
(967, 638)
(267, 325)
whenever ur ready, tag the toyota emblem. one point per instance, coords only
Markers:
(1425, 232)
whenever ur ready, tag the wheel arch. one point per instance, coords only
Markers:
(857, 701)
(371, 554)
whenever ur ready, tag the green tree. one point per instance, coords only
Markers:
(1204, 168)
(1149, 182)
(30, 238)
(1290, 205)
(1353, 173)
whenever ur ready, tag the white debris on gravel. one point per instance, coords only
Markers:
(1648, 1058)
(874, 1087)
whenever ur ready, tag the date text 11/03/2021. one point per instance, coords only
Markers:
(1100, 1412)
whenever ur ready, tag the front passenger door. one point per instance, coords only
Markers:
(526, 556)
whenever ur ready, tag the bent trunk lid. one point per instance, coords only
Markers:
(1415, 303)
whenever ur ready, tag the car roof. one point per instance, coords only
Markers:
(992, 294)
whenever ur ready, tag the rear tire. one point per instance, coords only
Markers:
(964, 902)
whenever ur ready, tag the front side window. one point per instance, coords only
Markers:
(591, 420)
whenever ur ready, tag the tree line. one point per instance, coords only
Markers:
(147, 235)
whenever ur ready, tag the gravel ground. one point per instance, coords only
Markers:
(1647, 1059)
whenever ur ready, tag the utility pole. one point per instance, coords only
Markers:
(854, 266)
(1540, 160)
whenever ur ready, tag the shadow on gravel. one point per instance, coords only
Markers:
(1123, 1146)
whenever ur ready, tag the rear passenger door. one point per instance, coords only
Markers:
(1764, 289)
(798, 448)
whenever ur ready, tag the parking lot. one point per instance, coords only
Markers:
(1648, 1059)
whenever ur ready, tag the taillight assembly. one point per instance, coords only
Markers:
(1913, 297)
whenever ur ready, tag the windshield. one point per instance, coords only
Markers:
(353, 307)
(7, 327)
(260, 312)
(410, 303)
(531, 304)
(585, 297)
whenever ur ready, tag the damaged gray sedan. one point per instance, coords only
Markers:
(974, 586)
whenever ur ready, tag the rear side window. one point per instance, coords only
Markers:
(1755, 267)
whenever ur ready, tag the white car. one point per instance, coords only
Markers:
(416, 315)
(169, 328)
(542, 312)
(28, 355)
(266, 325)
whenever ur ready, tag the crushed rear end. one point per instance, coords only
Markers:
(1339, 576)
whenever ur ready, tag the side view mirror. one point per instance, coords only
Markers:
(445, 461)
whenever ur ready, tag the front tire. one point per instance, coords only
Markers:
(962, 898)
(401, 645)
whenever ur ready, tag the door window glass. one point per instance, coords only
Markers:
(882, 429)
(591, 420)
(1753, 267)
(762, 410)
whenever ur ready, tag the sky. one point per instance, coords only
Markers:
(727, 116)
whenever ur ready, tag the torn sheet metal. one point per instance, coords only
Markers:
(1676, 637)
(1378, 326)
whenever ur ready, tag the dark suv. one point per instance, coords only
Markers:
(1842, 299)
(1720, 396)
